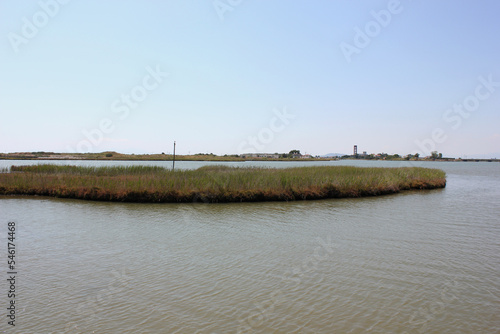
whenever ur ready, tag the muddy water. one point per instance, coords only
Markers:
(420, 262)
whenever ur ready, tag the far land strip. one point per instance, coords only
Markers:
(293, 155)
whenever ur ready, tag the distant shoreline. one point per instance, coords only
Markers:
(114, 156)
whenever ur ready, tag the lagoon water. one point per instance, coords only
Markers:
(415, 262)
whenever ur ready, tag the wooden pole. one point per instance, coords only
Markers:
(173, 162)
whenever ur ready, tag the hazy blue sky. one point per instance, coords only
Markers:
(269, 76)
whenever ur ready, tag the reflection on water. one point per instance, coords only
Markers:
(421, 262)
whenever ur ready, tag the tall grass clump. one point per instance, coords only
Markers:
(214, 183)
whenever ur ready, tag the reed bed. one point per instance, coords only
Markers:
(211, 184)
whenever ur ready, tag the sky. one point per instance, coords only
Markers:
(240, 76)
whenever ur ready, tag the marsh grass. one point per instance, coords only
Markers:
(214, 183)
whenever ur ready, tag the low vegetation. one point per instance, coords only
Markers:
(212, 184)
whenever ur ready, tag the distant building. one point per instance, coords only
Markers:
(260, 155)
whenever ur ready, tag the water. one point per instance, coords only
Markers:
(420, 262)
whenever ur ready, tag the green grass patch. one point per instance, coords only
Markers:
(213, 184)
